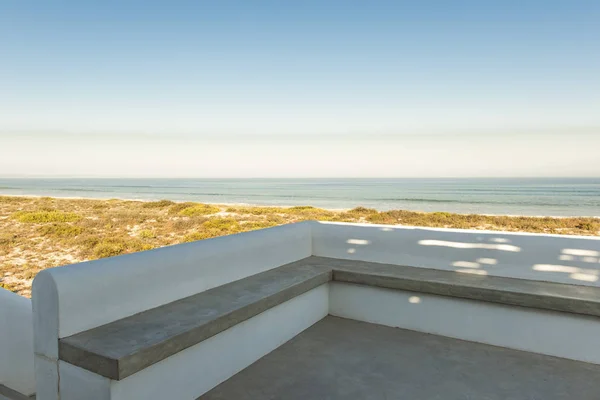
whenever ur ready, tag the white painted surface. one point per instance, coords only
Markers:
(75, 298)
(546, 332)
(192, 372)
(16, 343)
(45, 336)
(45, 315)
(78, 297)
(78, 384)
(554, 258)
(46, 378)
(97, 292)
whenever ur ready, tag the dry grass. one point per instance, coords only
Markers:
(43, 216)
(38, 233)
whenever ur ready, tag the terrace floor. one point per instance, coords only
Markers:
(344, 359)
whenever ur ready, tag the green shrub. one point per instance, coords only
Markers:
(275, 219)
(109, 248)
(137, 245)
(443, 215)
(383, 218)
(60, 230)
(86, 243)
(355, 214)
(178, 207)
(201, 235)
(589, 226)
(309, 212)
(146, 234)
(158, 204)
(363, 211)
(253, 225)
(302, 208)
(215, 227)
(225, 225)
(255, 210)
(8, 287)
(199, 209)
(45, 216)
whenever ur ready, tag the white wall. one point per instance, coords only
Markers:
(565, 259)
(546, 332)
(78, 297)
(16, 343)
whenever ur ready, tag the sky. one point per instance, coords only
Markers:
(300, 88)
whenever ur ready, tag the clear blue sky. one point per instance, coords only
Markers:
(257, 88)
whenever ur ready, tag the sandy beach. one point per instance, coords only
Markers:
(43, 232)
(226, 204)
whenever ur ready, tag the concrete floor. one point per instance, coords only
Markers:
(9, 394)
(344, 359)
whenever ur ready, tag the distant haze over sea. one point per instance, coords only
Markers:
(503, 196)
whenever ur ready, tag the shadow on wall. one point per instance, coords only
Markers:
(564, 259)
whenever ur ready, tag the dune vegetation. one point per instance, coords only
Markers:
(39, 233)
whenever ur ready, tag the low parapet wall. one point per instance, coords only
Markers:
(554, 258)
(16, 343)
(77, 298)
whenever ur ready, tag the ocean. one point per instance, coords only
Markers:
(502, 196)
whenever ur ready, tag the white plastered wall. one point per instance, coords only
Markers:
(75, 298)
(72, 299)
(545, 332)
(194, 371)
(16, 343)
(565, 259)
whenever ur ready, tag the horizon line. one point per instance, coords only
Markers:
(296, 177)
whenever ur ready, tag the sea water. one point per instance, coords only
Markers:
(531, 196)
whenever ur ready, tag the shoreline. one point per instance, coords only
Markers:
(35, 196)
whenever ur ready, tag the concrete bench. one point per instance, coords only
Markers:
(124, 347)
(509, 291)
